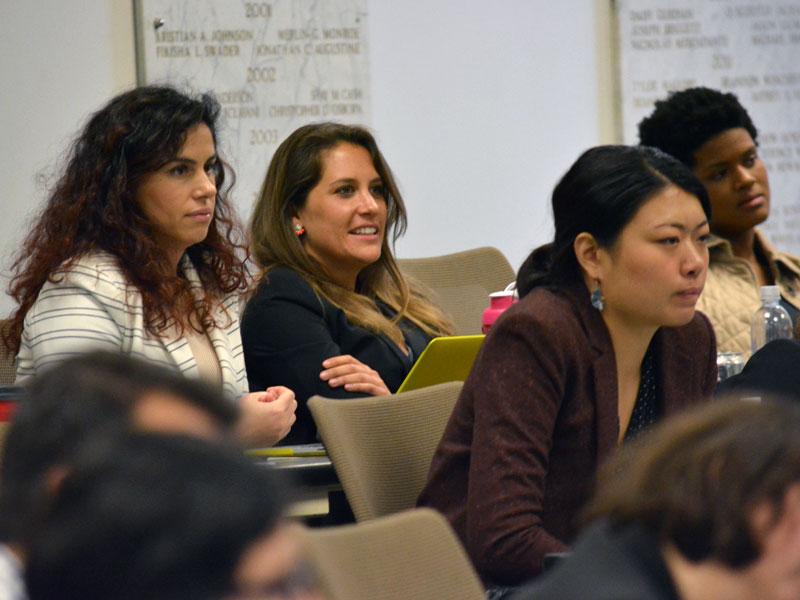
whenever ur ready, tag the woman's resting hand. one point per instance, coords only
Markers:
(355, 376)
(266, 417)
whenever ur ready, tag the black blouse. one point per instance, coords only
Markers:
(647, 410)
(287, 331)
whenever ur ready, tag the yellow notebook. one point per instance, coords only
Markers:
(284, 451)
(444, 359)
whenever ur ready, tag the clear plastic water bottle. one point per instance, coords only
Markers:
(770, 321)
(729, 364)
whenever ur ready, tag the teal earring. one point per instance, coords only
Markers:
(597, 298)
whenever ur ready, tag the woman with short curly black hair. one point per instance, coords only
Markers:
(711, 133)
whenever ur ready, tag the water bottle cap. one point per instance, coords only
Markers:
(770, 293)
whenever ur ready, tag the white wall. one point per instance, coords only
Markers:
(479, 107)
(58, 62)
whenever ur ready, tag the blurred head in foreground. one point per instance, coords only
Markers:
(710, 499)
(165, 517)
(87, 396)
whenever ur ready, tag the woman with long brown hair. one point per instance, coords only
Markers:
(332, 314)
(135, 251)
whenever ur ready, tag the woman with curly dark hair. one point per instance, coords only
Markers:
(136, 251)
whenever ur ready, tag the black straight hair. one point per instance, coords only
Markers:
(600, 194)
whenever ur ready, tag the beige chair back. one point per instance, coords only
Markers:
(413, 554)
(7, 363)
(382, 447)
(460, 283)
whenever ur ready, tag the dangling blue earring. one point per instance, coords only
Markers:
(597, 298)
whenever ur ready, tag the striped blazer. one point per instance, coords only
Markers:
(92, 306)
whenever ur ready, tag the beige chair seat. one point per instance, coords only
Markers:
(382, 447)
(460, 283)
(409, 555)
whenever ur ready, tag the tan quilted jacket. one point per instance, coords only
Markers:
(730, 296)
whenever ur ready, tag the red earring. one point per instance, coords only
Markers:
(299, 230)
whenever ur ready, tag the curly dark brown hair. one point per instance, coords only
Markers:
(93, 208)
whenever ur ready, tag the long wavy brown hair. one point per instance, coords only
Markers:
(92, 207)
(295, 169)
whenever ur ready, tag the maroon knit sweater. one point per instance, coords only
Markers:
(536, 417)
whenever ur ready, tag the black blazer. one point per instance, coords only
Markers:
(772, 373)
(287, 331)
(608, 563)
